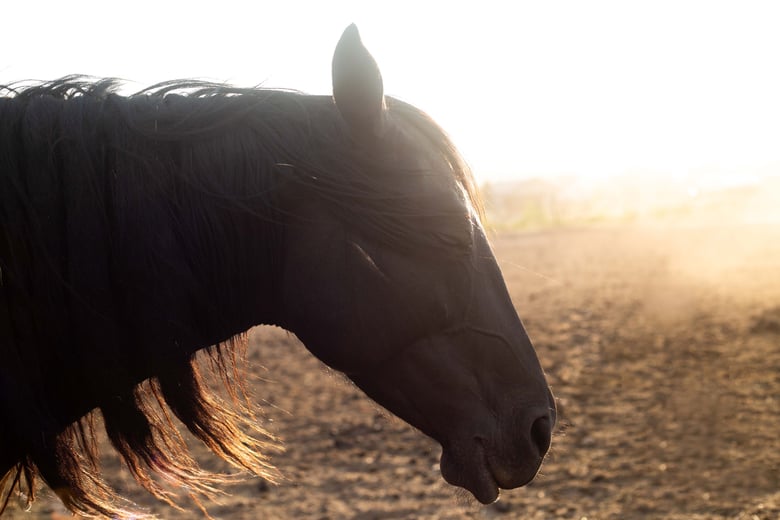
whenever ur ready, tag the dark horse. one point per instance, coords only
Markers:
(136, 231)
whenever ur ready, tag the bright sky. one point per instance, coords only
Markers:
(525, 88)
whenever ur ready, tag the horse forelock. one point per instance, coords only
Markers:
(442, 144)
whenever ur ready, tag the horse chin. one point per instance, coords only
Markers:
(473, 470)
(470, 472)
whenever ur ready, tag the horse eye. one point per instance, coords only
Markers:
(461, 241)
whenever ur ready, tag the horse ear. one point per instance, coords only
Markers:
(357, 85)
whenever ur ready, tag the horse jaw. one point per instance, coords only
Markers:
(479, 398)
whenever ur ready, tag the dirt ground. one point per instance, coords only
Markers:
(661, 344)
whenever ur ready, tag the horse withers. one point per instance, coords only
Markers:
(138, 230)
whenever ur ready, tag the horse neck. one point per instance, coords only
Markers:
(122, 251)
(227, 252)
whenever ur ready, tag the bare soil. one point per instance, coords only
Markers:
(661, 344)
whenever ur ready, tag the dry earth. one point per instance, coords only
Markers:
(662, 345)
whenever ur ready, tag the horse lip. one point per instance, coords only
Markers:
(480, 473)
(471, 473)
(490, 477)
(505, 478)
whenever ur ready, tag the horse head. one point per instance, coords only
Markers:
(405, 296)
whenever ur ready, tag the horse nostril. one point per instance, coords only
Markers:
(541, 431)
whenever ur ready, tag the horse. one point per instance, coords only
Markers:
(139, 230)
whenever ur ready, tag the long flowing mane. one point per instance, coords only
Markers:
(112, 203)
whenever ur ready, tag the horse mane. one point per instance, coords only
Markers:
(189, 110)
(65, 149)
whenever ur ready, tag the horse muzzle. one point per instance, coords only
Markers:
(505, 458)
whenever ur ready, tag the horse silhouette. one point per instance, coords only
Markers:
(136, 231)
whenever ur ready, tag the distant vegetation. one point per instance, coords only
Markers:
(565, 202)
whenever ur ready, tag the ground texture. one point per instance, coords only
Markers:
(661, 344)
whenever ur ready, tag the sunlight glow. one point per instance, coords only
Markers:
(526, 89)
